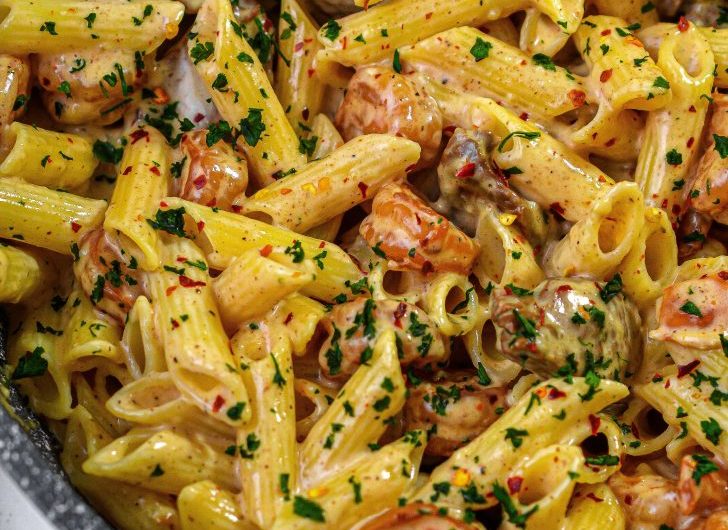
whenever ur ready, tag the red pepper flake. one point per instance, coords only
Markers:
(723, 275)
(610, 142)
(344, 42)
(594, 497)
(198, 117)
(683, 24)
(606, 32)
(564, 289)
(155, 170)
(428, 16)
(427, 267)
(468, 170)
(170, 290)
(676, 209)
(286, 191)
(127, 170)
(200, 182)
(577, 97)
(363, 189)
(310, 72)
(595, 422)
(514, 484)
(663, 205)
(185, 281)
(532, 347)
(322, 244)
(266, 250)
(200, 226)
(628, 500)
(163, 204)
(217, 404)
(557, 209)
(399, 313)
(685, 369)
(236, 208)
(667, 383)
(634, 430)
(305, 113)
(138, 135)
(175, 324)
(181, 259)
(289, 317)
(298, 47)
(605, 76)
(267, 24)
(692, 108)
(555, 393)
(691, 141)
(524, 116)
(75, 226)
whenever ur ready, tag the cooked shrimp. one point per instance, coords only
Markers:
(711, 494)
(212, 176)
(379, 100)
(108, 274)
(89, 86)
(14, 80)
(566, 325)
(413, 236)
(648, 500)
(709, 193)
(353, 328)
(693, 312)
(455, 409)
(418, 516)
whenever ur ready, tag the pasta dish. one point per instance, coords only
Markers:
(370, 265)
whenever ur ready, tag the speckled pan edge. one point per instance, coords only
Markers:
(30, 458)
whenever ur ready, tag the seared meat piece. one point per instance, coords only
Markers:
(454, 410)
(379, 100)
(354, 327)
(694, 227)
(566, 327)
(709, 194)
(413, 236)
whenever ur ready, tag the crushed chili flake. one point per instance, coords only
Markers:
(298, 47)
(266, 250)
(577, 97)
(605, 76)
(160, 96)
(217, 404)
(170, 290)
(198, 117)
(236, 208)
(181, 259)
(691, 141)
(322, 244)
(468, 170)
(610, 142)
(127, 170)
(683, 24)
(75, 226)
(594, 497)
(564, 289)
(399, 313)
(310, 72)
(606, 32)
(524, 116)
(428, 16)
(289, 317)
(595, 422)
(514, 484)
(286, 191)
(175, 324)
(200, 226)
(692, 108)
(363, 189)
(427, 267)
(685, 369)
(723, 275)
(185, 281)
(155, 170)
(200, 182)
(138, 135)
(555, 393)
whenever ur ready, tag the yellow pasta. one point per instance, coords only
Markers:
(20, 274)
(47, 158)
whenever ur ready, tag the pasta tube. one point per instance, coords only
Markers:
(672, 133)
(597, 244)
(242, 92)
(504, 72)
(20, 274)
(144, 179)
(46, 218)
(66, 25)
(227, 235)
(163, 461)
(300, 92)
(329, 187)
(195, 344)
(205, 506)
(47, 158)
